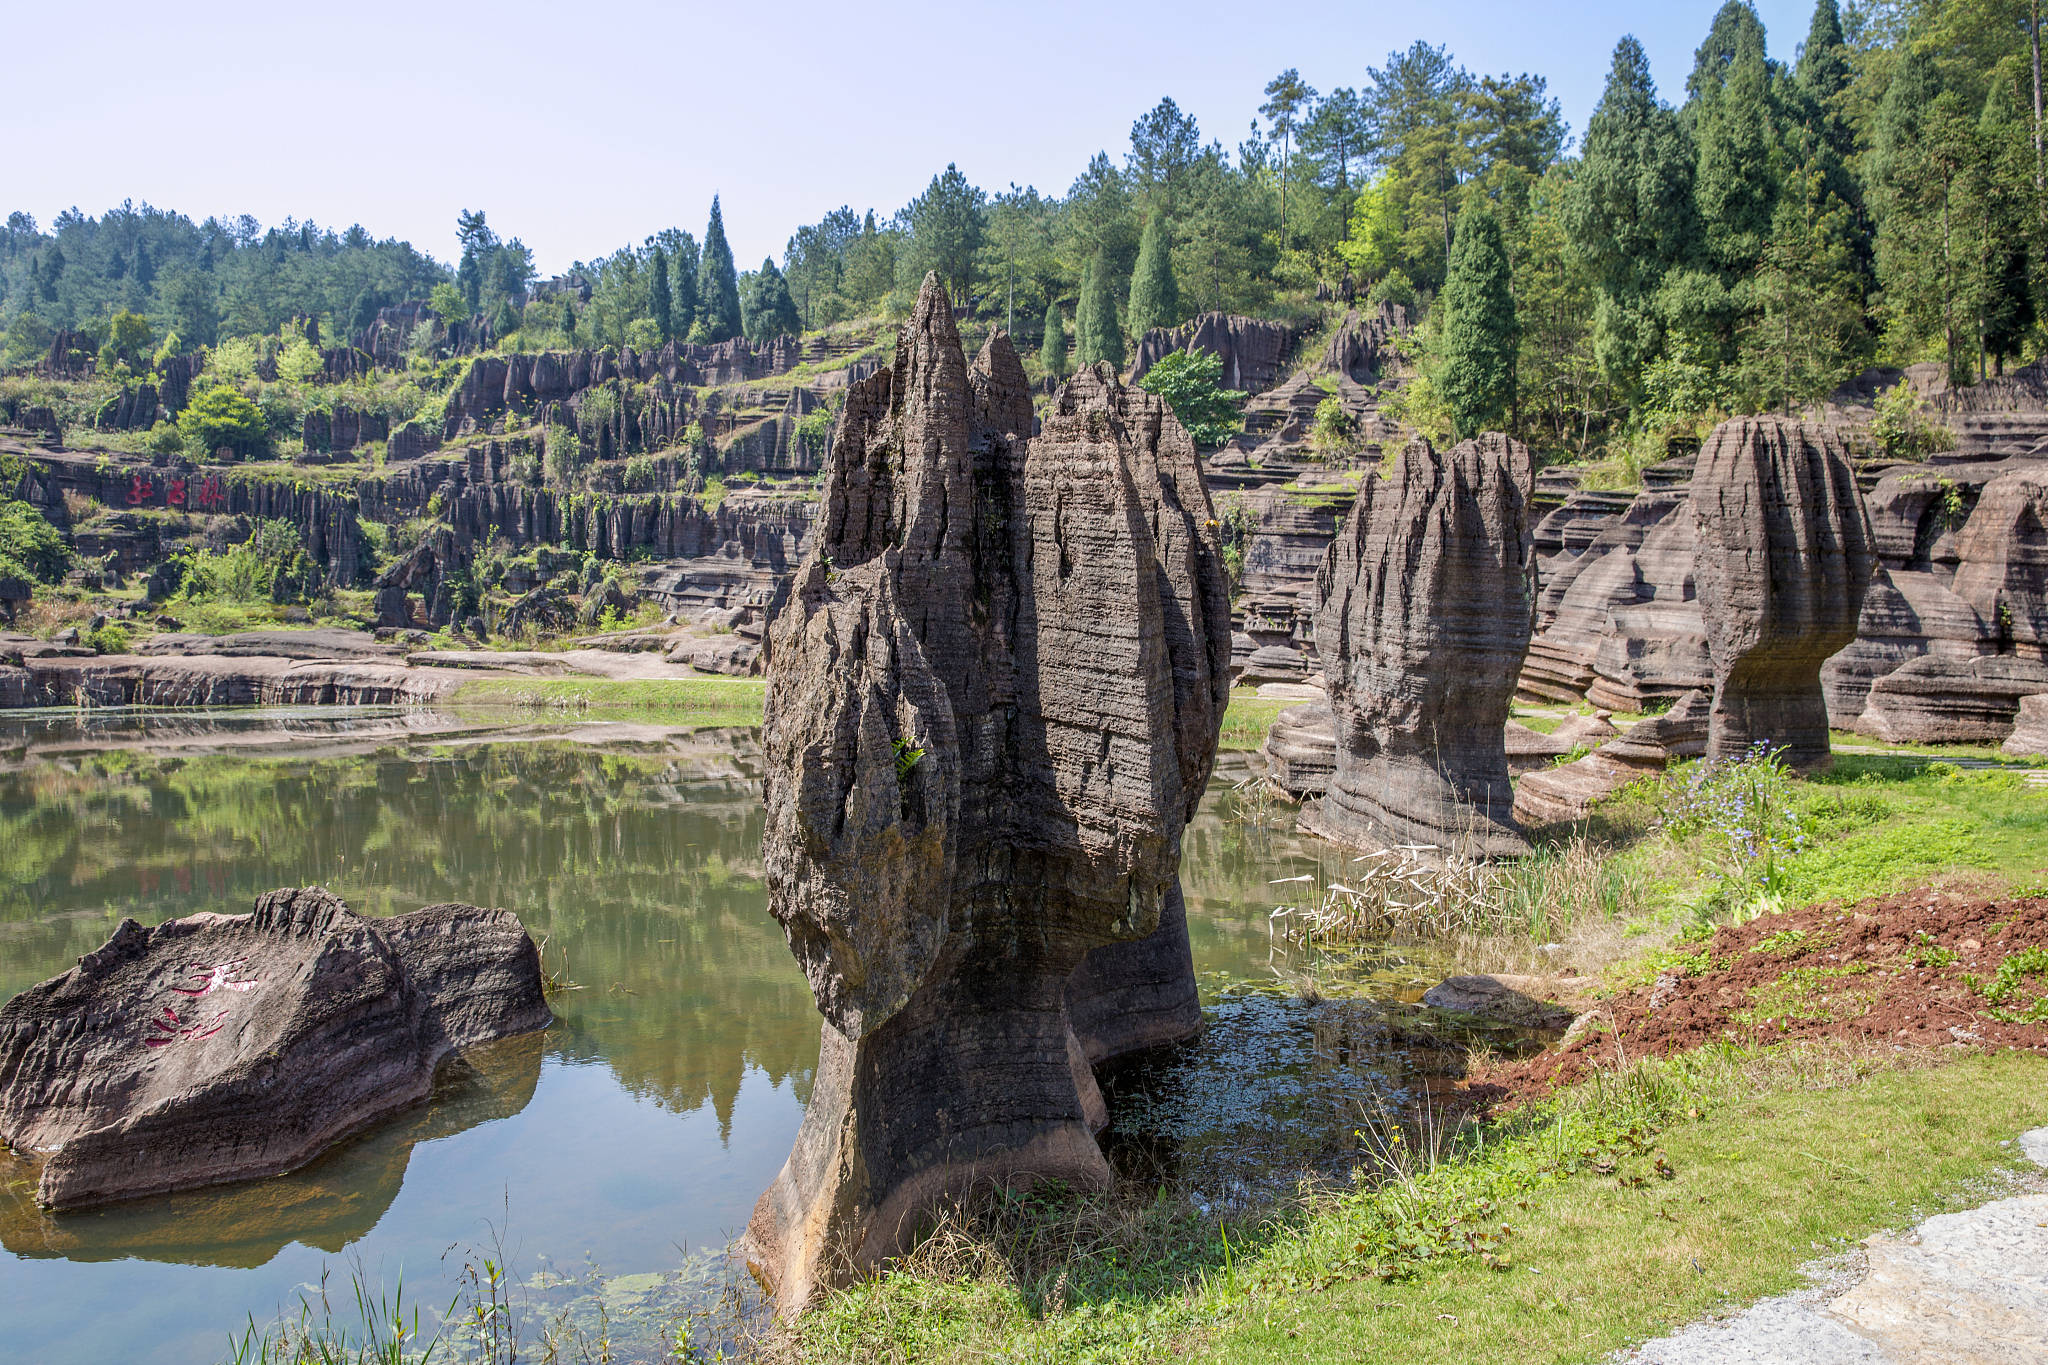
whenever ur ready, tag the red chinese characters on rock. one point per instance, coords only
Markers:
(141, 489)
(209, 494)
(174, 493)
(168, 1026)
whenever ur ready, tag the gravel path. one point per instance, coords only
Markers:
(1961, 1289)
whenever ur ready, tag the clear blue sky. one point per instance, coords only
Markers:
(584, 127)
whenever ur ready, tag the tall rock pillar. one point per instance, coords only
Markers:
(1785, 555)
(994, 698)
(1424, 606)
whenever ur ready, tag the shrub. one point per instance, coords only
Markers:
(1901, 431)
(1191, 384)
(30, 547)
(110, 638)
(220, 417)
(1751, 825)
(299, 362)
(1395, 288)
(1335, 432)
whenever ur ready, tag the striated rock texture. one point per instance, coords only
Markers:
(2029, 737)
(1783, 560)
(1422, 620)
(1559, 795)
(1254, 352)
(223, 1047)
(994, 700)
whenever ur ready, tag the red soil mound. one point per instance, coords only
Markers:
(1918, 970)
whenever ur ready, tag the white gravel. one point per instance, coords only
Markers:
(1961, 1289)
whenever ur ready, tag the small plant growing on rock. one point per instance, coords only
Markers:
(908, 755)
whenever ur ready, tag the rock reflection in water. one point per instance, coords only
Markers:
(330, 1204)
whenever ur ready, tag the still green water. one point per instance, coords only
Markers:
(630, 1139)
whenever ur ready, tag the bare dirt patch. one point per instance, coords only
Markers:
(1924, 969)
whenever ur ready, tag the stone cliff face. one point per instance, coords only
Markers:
(1422, 621)
(1783, 560)
(1254, 352)
(994, 700)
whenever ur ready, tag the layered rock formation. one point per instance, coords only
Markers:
(1559, 795)
(224, 1047)
(1782, 562)
(1254, 352)
(994, 700)
(1423, 619)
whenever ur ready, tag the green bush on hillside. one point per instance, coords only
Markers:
(30, 547)
(220, 418)
(1191, 384)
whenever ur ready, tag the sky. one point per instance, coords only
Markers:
(581, 130)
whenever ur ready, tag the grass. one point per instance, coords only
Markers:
(1613, 1213)
(1248, 718)
(707, 701)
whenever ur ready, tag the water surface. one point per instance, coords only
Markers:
(634, 1134)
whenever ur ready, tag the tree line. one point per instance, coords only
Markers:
(1749, 243)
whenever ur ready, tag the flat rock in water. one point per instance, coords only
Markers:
(224, 1047)
(1520, 1000)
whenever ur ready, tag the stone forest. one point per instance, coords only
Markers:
(1425, 739)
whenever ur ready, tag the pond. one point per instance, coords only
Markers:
(626, 1143)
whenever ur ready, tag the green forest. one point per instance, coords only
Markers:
(1745, 243)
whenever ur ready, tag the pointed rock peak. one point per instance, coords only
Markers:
(1002, 393)
(933, 314)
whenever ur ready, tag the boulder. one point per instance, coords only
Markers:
(2029, 737)
(1907, 614)
(1936, 700)
(224, 1047)
(1422, 620)
(1301, 749)
(1560, 795)
(1783, 559)
(2002, 559)
(994, 698)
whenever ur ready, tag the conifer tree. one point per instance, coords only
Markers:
(1052, 352)
(1104, 338)
(682, 270)
(1481, 336)
(718, 285)
(770, 310)
(1082, 350)
(1739, 165)
(660, 302)
(1155, 297)
(1631, 213)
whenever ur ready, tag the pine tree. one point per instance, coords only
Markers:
(1081, 349)
(770, 311)
(1631, 213)
(1155, 298)
(660, 302)
(1105, 338)
(683, 284)
(1923, 163)
(1739, 164)
(1480, 336)
(718, 285)
(1052, 353)
(1809, 335)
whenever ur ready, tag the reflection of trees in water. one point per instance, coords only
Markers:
(640, 869)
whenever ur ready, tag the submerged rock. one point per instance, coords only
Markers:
(222, 1047)
(1423, 618)
(1783, 560)
(994, 699)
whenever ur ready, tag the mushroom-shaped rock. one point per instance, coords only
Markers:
(994, 699)
(1784, 558)
(222, 1047)
(1422, 620)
